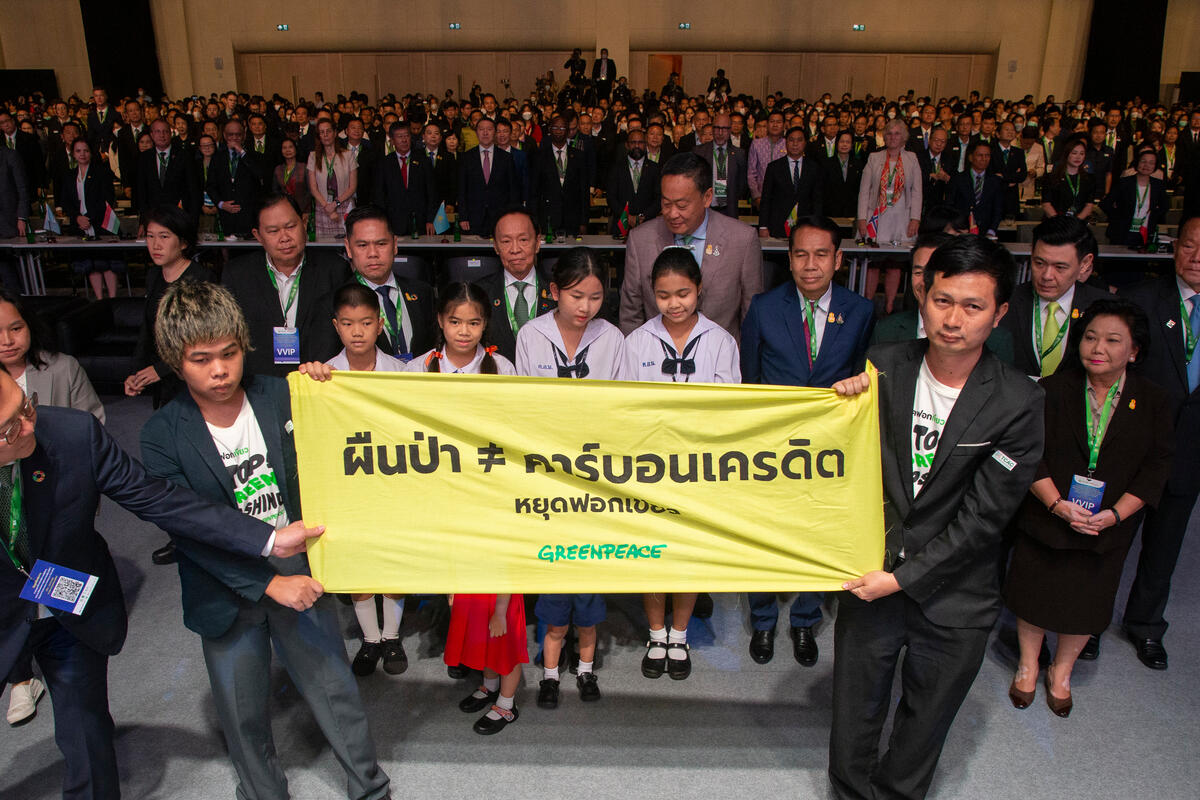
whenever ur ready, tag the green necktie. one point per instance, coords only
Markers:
(233, 164)
(562, 168)
(260, 146)
(11, 145)
(21, 544)
(637, 175)
(162, 167)
(1050, 329)
(721, 163)
(521, 307)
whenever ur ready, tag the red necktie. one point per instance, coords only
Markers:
(404, 169)
(487, 166)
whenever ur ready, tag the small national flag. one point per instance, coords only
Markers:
(873, 223)
(1145, 233)
(972, 226)
(111, 223)
(50, 222)
(623, 221)
(790, 223)
(441, 223)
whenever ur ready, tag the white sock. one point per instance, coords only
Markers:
(659, 638)
(681, 638)
(584, 667)
(491, 684)
(551, 674)
(393, 610)
(367, 619)
(501, 702)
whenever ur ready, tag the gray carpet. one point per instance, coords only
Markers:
(733, 729)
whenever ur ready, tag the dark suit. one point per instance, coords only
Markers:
(736, 187)
(988, 207)
(224, 600)
(619, 191)
(304, 142)
(74, 462)
(500, 331)
(445, 176)
(480, 202)
(1165, 525)
(840, 197)
(413, 300)
(604, 85)
(271, 154)
(1120, 204)
(97, 191)
(178, 186)
(246, 276)
(100, 131)
(559, 205)
(953, 151)
(1010, 168)
(14, 193)
(902, 327)
(952, 539)
(1019, 322)
(774, 350)
(916, 140)
(128, 154)
(367, 159)
(406, 201)
(936, 192)
(779, 195)
(242, 187)
(33, 160)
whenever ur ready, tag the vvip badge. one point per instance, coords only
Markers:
(286, 345)
(1087, 493)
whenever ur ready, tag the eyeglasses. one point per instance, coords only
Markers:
(13, 429)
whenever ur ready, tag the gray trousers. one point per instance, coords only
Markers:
(310, 647)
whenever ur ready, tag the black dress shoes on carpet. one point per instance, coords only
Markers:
(762, 646)
(471, 704)
(1150, 652)
(804, 646)
(1091, 650)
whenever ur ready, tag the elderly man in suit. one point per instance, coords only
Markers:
(520, 291)
(487, 182)
(1041, 311)
(236, 178)
(281, 291)
(728, 166)
(961, 435)
(978, 191)
(792, 188)
(167, 176)
(56, 464)
(406, 185)
(727, 250)
(633, 185)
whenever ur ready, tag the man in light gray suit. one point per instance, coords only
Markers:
(727, 250)
(728, 167)
(14, 208)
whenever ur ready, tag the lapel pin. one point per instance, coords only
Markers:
(38, 476)
(708, 249)
(716, 250)
(1074, 313)
(841, 319)
(832, 318)
(412, 298)
(1170, 323)
(1132, 405)
(496, 302)
(545, 294)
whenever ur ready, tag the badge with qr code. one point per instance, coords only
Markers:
(58, 587)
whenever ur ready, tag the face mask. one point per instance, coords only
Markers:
(891, 114)
(1079, 106)
(624, 126)
(526, 115)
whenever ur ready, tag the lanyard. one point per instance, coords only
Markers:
(1141, 208)
(1037, 332)
(287, 174)
(512, 317)
(1095, 433)
(1189, 338)
(291, 298)
(812, 330)
(14, 521)
(387, 324)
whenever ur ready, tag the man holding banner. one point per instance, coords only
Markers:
(961, 435)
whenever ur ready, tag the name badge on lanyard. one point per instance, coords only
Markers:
(58, 587)
(1087, 493)
(286, 345)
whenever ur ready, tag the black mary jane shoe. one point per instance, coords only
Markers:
(472, 704)
(486, 726)
(679, 668)
(654, 667)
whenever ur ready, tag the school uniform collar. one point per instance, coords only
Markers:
(659, 330)
(548, 327)
(470, 368)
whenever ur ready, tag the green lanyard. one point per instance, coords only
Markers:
(287, 174)
(291, 299)
(387, 324)
(1037, 332)
(812, 328)
(1189, 338)
(14, 519)
(512, 317)
(1095, 434)
(1074, 187)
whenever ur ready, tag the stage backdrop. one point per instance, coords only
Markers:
(432, 483)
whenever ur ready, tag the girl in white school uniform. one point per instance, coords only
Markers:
(571, 343)
(680, 345)
(463, 313)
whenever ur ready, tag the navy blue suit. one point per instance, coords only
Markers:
(75, 462)
(988, 209)
(774, 351)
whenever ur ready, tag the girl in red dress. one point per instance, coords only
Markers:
(487, 632)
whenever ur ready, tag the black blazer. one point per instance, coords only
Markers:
(127, 152)
(246, 276)
(480, 203)
(1120, 203)
(563, 206)
(181, 184)
(500, 332)
(100, 134)
(75, 462)
(1165, 364)
(952, 533)
(841, 194)
(177, 447)
(445, 176)
(32, 159)
(403, 203)
(97, 190)
(1019, 322)
(367, 191)
(416, 300)
(936, 193)
(778, 195)
(1135, 457)
(952, 152)
(619, 191)
(243, 188)
(1012, 170)
(988, 209)
(272, 155)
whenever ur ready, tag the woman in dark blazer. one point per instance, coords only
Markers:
(85, 213)
(843, 175)
(1066, 564)
(1136, 201)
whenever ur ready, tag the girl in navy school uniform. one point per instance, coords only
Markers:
(680, 345)
(571, 343)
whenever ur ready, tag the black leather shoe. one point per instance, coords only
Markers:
(485, 726)
(589, 690)
(703, 609)
(762, 646)
(654, 667)
(368, 656)
(395, 660)
(548, 693)
(458, 672)
(164, 555)
(471, 704)
(678, 668)
(804, 646)
(1091, 650)
(1151, 652)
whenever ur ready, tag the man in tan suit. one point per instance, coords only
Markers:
(727, 250)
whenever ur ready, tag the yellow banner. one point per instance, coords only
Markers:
(431, 483)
